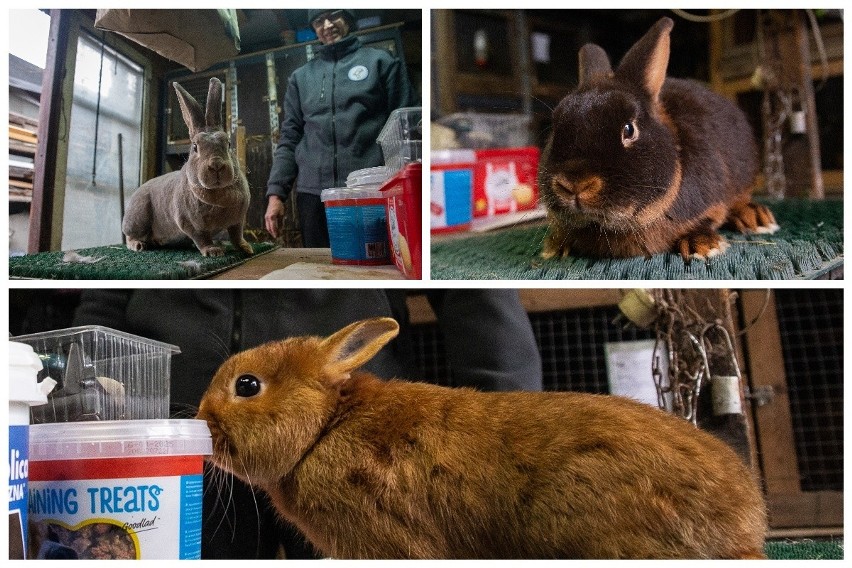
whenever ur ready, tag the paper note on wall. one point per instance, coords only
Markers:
(540, 44)
(630, 365)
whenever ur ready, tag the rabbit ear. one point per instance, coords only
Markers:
(646, 62)
(193, 115)
(594, 62)
(355, 344)
(213, 116)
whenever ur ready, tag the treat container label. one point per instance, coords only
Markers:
(136, 496)
(357, 230)
(404, 207)
(504, 181)
(451, 195)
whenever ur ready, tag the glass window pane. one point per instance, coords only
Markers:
(108, 93)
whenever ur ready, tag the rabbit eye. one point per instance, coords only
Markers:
(195, 147)
(247, 386)
(628, 132)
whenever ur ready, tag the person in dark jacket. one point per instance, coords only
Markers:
(487, 336)
(334, 109)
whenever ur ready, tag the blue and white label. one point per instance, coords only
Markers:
(451, 198)
(358, 232)
(358, 73)
(139, 518)
(18, 474)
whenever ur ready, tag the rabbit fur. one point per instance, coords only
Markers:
(638, 163)
(368, 468)
(207, 195)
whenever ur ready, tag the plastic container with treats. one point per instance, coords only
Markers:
(24, 392)
(117, 489)
(401, 138)
(357, 219)
(102, 374)
(505, 181)
(451, 190)
(478, 130)
(404, 209)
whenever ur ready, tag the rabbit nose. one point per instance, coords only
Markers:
(217, 167)
(561, 184)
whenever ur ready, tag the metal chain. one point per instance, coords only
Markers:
(690, 347)
(776, 107)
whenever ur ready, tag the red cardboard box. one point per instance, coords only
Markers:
(404, 209)
(505, 181)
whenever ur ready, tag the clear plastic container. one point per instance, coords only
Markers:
(102, 374)
(373, 177)
(401, 138)
(489, 130)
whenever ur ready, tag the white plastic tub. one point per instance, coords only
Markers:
(117, 489)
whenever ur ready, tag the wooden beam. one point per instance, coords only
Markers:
(533, 300)
(811, 509)
(444, 60)
(773, 422)
(50, 131)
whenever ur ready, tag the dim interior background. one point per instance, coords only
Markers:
(795, 348)
(525, 61)
(114, 119)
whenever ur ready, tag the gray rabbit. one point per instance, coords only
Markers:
(208, 194)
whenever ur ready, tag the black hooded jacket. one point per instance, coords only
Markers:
(334, 109)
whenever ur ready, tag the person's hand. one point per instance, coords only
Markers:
(274, 217)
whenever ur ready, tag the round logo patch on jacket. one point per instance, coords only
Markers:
(358, 73)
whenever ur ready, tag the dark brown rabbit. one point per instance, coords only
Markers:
(209, 194)
(639, 164)
(392, 469)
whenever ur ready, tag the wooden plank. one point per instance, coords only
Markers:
(542, 300)
(811, 509)
(23, 197)
(766, 369)
(22, 135)
(261, 265)
(23, 121)
(21, 184)
(533, 300)
(22, 148)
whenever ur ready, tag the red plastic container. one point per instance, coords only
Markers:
(505, 181)
(404, 211)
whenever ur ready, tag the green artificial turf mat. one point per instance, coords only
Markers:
(805, 550)
(117, 262)
(808, 245)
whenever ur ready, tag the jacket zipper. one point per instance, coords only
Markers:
(333, 126)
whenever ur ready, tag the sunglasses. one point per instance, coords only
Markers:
(318, 22)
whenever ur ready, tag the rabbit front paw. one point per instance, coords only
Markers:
(212, 251)
(703, 243)
(136, 245)
(245, 247)
(555, 243)
(752, 217)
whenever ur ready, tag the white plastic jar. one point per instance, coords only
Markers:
(24, 391)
